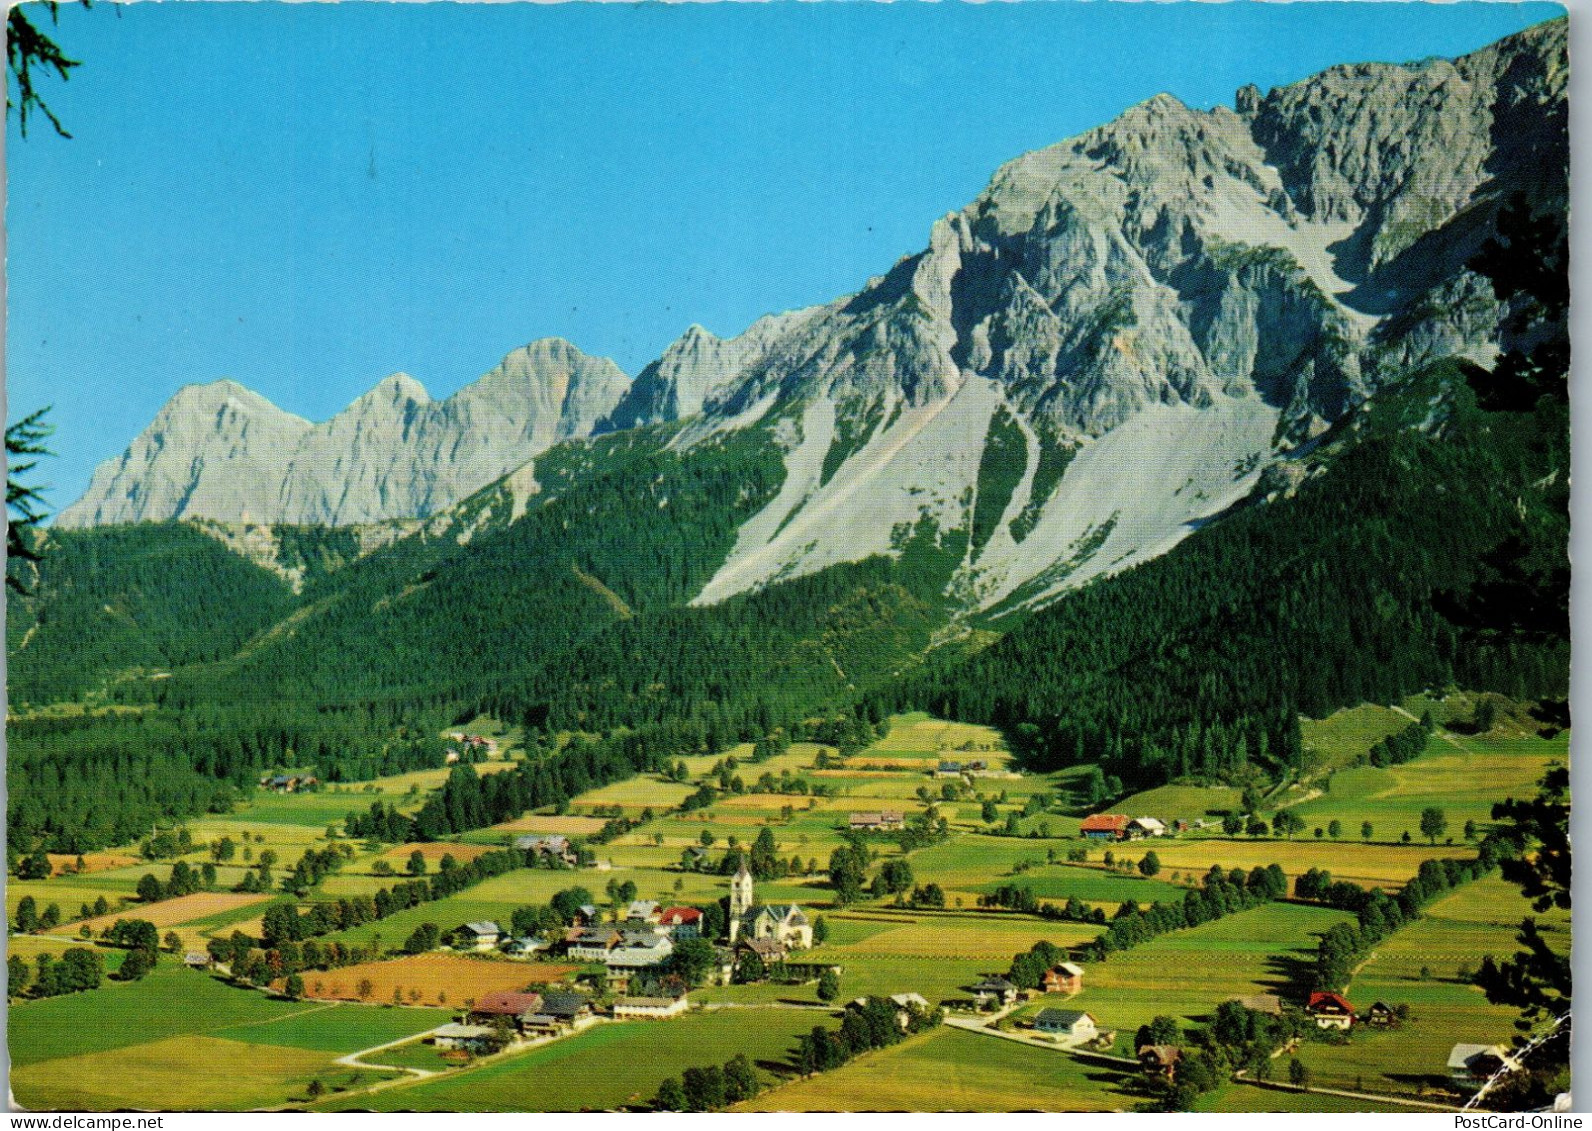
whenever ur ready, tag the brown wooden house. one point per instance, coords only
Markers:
(1160, 1061)
(1065, 978)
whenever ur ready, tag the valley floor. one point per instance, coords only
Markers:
(157, 1043)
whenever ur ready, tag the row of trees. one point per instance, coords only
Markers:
(79, 968)
(1020, 897)
(710, 1088)
(1396, 749)
(1223, 893)
(282, 922)
(253, 966)
(876, 1023)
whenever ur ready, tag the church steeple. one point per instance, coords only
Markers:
(742, 898)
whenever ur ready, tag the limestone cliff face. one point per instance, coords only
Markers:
(212, 449)
(1231, 281)
(395, 453)
(223, 453)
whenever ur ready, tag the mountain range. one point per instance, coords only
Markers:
(1106, 350)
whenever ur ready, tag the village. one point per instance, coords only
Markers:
(984, 908)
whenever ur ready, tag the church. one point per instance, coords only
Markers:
(751, 922)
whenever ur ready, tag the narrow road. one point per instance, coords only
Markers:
(1240, 1078)
(1440, 732)
(355, 1059)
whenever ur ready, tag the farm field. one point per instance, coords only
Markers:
(577, 1073)
(1186, 802)
(62, 863)
(1347, 733)
(67, 893)
(432, 853)
(1463, 780)
(953, 1070)
(569, 826)
(338, 1029)
(994, 936)
(440, 979)
(1369, 865)
(918, 737)
(1058, 882)
(161, 1076)
(643, 792)
(1240, 1098)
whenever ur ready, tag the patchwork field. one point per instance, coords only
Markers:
(150, 1026)
(439, 979)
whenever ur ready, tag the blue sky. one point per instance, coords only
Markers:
(308, 197)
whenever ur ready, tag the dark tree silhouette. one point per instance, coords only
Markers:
(29, 49)
(24, 501)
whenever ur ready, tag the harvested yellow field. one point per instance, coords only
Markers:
(433, 851)
(567, 826)
(184, 909)
(441, 979)
(62, 863)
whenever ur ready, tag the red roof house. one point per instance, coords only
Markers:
(1105, 826)
(1331, 1011)
(503, 1003)
(679, 916)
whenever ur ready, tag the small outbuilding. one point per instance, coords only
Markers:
(1074, 1025)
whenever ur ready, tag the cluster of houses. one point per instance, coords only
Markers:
(1117, 826)
(289, 782)
(644, 938)
(473, 744)
(996, 992)
(878, 822)
(516, 1016)
(549, 847)
(977, 768)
